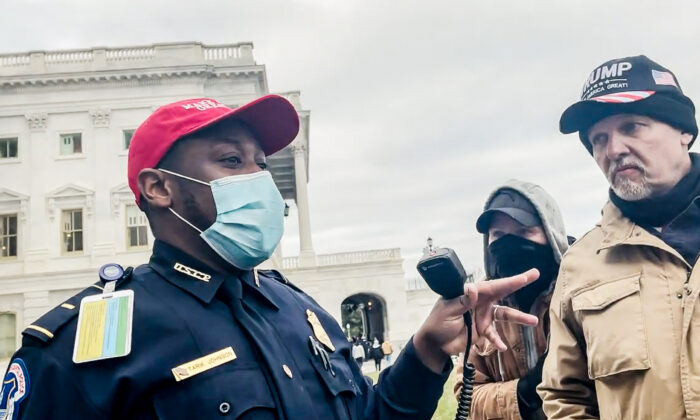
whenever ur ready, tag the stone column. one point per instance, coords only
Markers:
(307, 256)
(38, 228)
(102, 221)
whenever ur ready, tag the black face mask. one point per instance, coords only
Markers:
(511, 255)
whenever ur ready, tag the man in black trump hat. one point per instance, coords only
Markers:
(625, 314)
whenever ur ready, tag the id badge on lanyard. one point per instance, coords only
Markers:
(104, 326)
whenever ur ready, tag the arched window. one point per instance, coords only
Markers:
(364, 315)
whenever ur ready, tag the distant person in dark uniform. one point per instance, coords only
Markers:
(366, 346)
(198, 332)
(376, 354)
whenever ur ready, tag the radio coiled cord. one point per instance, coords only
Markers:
(465, 395)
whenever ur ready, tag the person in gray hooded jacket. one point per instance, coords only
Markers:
(523, 229)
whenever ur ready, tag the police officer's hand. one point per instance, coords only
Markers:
(443, 333)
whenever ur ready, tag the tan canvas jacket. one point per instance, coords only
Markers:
(495, 380)
(625, 328)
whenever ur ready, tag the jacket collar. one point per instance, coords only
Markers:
(256, 283)
(197, 278)
(619, 230)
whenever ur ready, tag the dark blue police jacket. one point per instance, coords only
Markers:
(184, 311)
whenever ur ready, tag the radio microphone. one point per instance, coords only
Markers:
(445, 275)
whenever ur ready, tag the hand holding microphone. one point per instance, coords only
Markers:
(449, 328)
(444, 331)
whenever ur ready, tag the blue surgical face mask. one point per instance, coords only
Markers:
(249, 218)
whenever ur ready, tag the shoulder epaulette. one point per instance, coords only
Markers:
(44, 328)
(276, 275)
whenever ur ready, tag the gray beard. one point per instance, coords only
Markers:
(632, 191)
(625, 188)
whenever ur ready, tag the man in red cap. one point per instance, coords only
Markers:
(625, 315)
(198, 332)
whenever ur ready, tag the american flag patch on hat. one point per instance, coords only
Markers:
(663, 78)
(624, 97)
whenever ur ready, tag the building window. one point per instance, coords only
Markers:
(71, 144)
(136, 228)
(128, 134)
(8, 235)
(72, 223)
(8, 148)
(7, 335)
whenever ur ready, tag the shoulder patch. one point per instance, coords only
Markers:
(44, 328)
(15, 387)
(276, 275)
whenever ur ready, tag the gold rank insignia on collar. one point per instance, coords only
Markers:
(319, 332)
(191, 272)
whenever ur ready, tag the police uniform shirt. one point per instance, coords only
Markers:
(184, 311)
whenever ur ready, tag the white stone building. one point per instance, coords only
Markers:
(66, 118)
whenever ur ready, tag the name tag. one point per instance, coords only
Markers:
(197, 366)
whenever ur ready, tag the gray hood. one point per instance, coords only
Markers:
(548, 210)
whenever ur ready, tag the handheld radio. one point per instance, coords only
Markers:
(442, 270)
(445, 275)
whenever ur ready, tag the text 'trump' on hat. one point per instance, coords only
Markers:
(272, 119)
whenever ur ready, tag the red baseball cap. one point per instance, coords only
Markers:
(272, 119)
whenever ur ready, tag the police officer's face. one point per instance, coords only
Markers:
(232, 150)
(640, 156)
(505, 225)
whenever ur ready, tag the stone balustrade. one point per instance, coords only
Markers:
(10, 60)
(100, 59)
(356, 257)
(223, 52)
(68, 57)
(416, 283)
(130, 54)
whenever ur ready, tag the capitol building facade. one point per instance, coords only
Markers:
(66, 119)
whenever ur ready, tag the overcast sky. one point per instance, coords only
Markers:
(418, 108)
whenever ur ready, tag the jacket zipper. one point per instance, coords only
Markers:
(528, 343)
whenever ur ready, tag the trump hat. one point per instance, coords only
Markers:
(272, 119)
(630, 85)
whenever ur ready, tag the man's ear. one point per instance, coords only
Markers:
(154, 188)
(686, 138)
